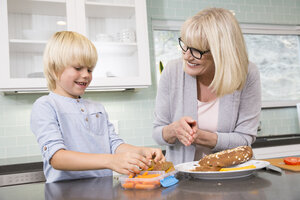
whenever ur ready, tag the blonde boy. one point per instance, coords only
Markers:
(75, 135)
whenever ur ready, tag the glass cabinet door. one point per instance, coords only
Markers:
(112, 27)
(118, 28)
(30, 24)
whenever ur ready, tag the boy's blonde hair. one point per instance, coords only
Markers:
(217, 30)
(67, 48)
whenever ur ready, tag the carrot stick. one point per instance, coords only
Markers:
(128, 185)
(144, 186)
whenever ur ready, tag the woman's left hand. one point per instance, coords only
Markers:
(205, 138)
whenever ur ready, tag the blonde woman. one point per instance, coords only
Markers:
(75, 135)
(210, 99)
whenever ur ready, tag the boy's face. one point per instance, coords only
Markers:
(73, 81)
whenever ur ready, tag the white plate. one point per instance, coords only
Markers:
(187, 167)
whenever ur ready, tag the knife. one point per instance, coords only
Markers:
(274, 168)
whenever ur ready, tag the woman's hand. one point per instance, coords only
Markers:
(205, 138)
(183, 130)
(129, 163)
(153, 153)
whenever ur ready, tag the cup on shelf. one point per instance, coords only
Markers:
(127, 35)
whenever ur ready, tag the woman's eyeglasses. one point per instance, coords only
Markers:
(195, 52)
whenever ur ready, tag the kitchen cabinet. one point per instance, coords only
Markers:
(117, 28)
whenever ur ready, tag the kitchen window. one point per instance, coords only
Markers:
(275, 49)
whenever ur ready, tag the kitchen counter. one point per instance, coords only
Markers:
(263, 185)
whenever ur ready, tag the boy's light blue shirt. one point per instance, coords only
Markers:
(79, 125)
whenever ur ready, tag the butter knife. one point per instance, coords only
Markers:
(274, 168)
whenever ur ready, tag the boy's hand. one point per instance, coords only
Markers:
(153, 153)
(129, 163)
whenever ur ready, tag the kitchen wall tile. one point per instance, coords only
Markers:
(133, 123)
(2, 132)
(3, 153)
(25, 139)
(146, 123)
(158, 3)
(148, 140)
(276, 2)
(17, 130)
(8, 100)
(258, 9)
(174, 4)
(239, 2)
(138, 140)
(10, 141)
(33, 149)
(248, 7)
(18, 151)
(157, 11)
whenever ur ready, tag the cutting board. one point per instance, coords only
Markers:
(279, 163)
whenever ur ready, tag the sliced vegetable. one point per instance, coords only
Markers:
(292, 160)
(170, 169)
(144, 186)
(237, 168)
(128, 185)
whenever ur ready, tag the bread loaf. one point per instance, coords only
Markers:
(161, 166)
(226, 158)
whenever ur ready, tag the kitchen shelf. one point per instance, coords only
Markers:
(38, 7)
(116, 48)
(94, 9)
(36, 46)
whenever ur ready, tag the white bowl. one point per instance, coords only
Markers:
(31, 34)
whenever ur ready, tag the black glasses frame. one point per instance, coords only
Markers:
(192, 50)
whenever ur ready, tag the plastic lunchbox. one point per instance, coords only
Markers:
(138, 182)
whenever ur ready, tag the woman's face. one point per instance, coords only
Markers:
(198, 67)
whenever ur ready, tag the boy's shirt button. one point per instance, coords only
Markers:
(97, 115)
(78, 100)
(45, 148)
(86, 119)
(82, 110)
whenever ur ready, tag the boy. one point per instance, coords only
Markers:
(76, 138)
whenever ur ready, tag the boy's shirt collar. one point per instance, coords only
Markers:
(65, 98)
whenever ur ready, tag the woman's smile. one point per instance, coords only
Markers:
(192, 64)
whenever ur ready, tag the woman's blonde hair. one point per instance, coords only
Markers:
(67, 48)
(217, 30)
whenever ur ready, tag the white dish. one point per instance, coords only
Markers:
(187, 167)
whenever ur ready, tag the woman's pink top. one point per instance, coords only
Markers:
(208, 113)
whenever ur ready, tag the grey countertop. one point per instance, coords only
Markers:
(262, 185)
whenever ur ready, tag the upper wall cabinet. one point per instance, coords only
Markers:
(117, 28)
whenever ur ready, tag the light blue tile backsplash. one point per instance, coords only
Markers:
(134, 109)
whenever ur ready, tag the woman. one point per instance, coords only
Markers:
(211, 101)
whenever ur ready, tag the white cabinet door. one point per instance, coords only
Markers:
(117, 28)
(26, 26)
(119, 31)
